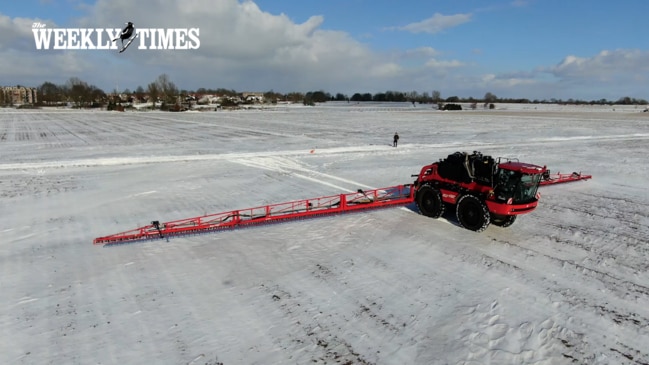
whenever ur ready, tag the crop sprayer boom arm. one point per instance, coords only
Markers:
(558, 178)
(341, 203)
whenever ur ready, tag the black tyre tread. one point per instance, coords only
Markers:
(503, 222)
(470, 207)
(429, 201)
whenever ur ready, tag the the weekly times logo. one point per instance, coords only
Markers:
(46, 38)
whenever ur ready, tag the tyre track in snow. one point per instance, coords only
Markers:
(609, 236)
(609, 249)
(165, 159)
(294, 168)
(563, 292)
(353, 276)
(220, 125)
(553, 332)
(376, 149)
(77, 135)
(552, 275)
(552, 261)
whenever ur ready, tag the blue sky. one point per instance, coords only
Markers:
(537, 49)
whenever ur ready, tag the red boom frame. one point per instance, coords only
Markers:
(341, 203)
(559, 178)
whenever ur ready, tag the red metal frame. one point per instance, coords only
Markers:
(341, 203)
(559, 178)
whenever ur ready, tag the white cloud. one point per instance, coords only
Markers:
(36, 70)
(421, 52)
(228, 29)
(433, 63)
(386, 70)
(511, 82)
(606, 65)
(608, 74)
(243, 47)
(436, 23)
(16, 33)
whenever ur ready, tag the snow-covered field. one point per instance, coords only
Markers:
(566, 284)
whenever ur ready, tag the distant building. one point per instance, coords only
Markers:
(253, 97)
(205, 99)
(18, 95)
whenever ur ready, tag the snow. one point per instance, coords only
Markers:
(567, 283)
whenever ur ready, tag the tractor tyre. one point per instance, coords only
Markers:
(503, 220)
(472, 213)
(429, 201)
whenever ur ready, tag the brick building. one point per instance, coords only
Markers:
(18, 95)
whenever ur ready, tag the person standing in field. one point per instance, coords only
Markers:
(395, 140)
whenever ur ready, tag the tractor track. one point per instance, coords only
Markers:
(610, 233)
(73, 133)
(582, 301)
(322, 334)
(385, 314)
(623, 287)
(593, 239)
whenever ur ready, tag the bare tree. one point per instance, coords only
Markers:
(490, 98)
(83, 94)
(154, 92)
(437, 96)
(49, 93)
(167, 90)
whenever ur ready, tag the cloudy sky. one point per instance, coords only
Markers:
(536, 49)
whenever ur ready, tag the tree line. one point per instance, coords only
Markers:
(165, 93)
